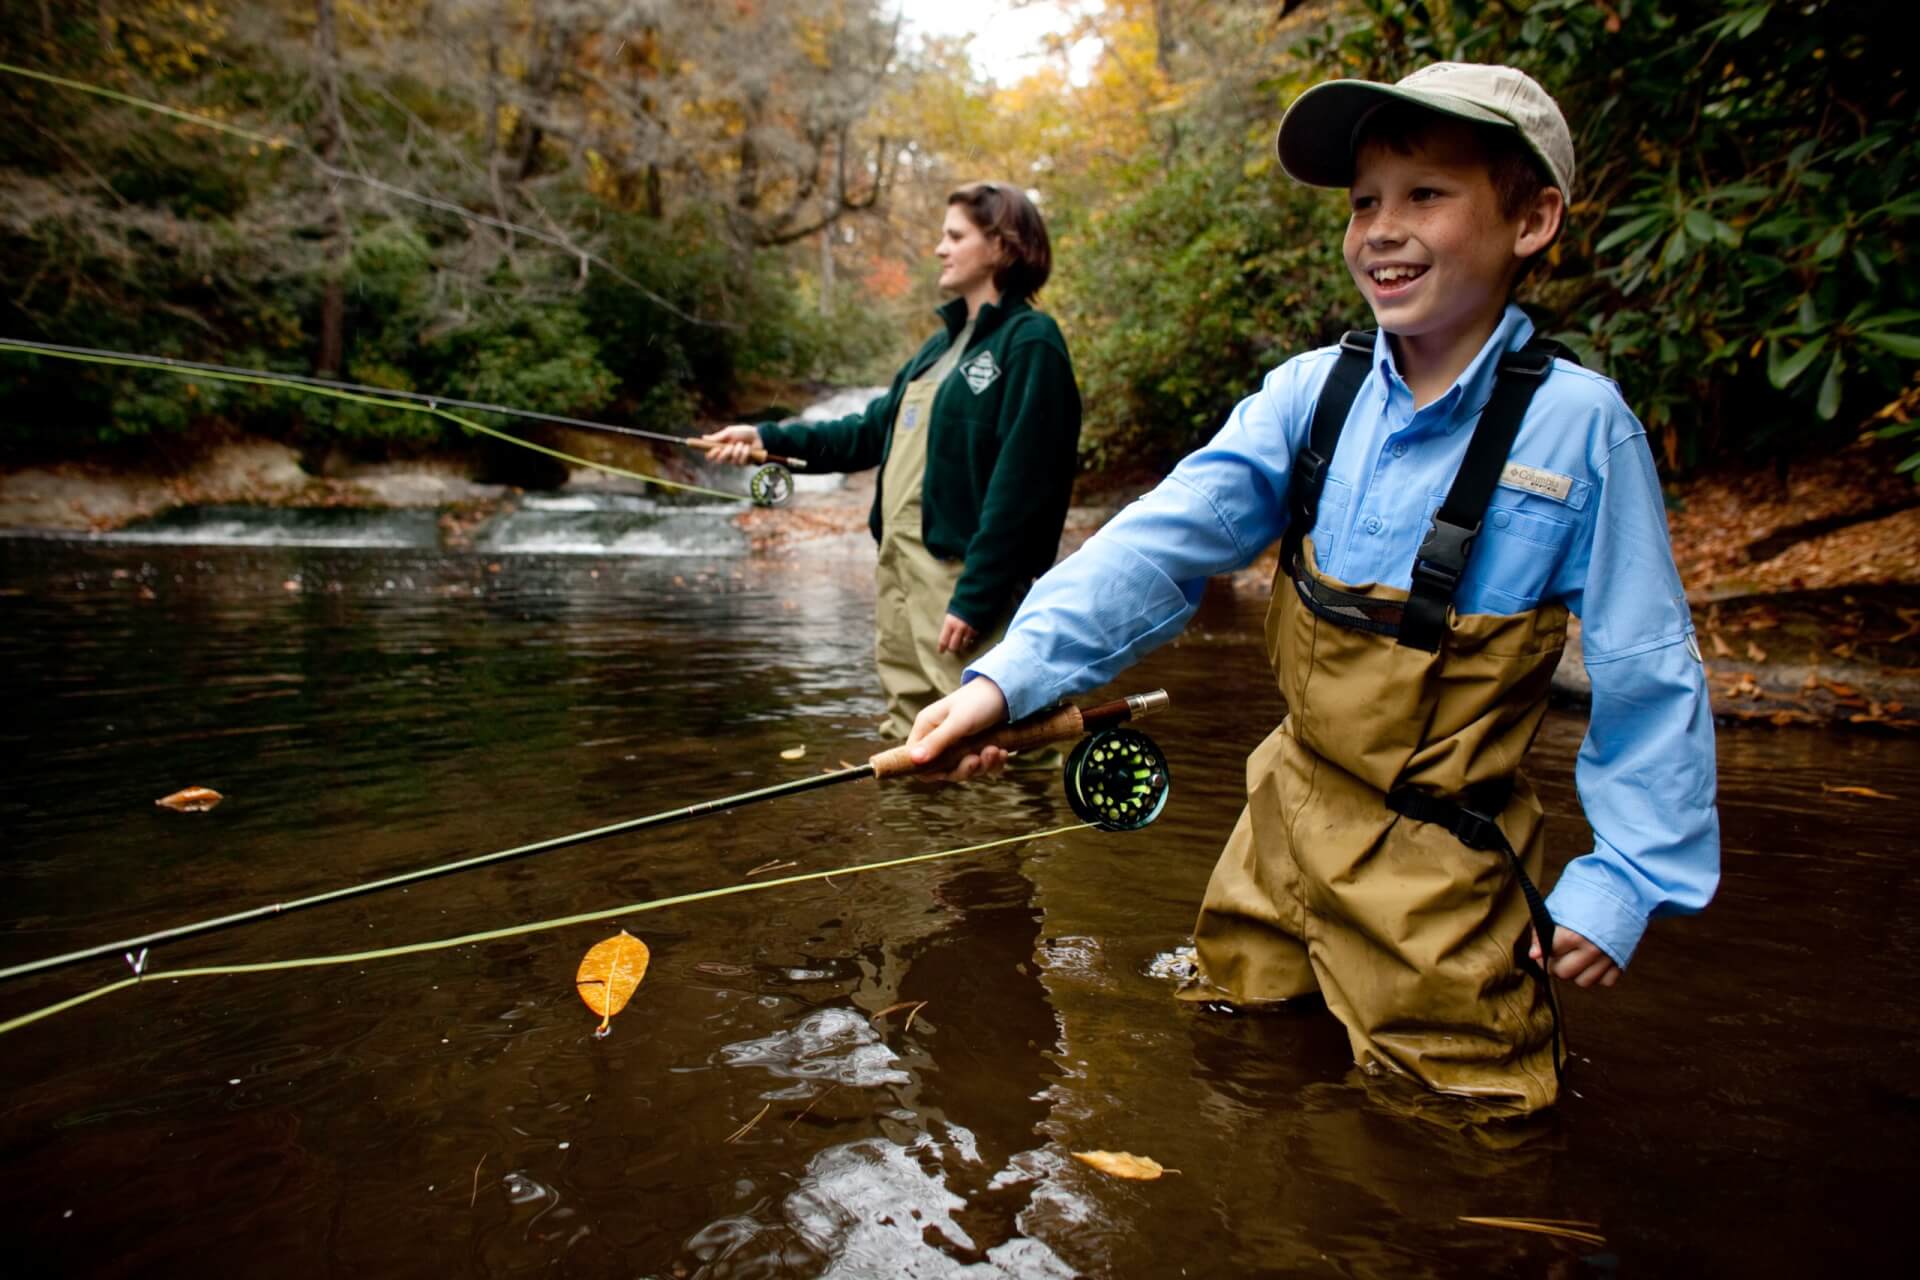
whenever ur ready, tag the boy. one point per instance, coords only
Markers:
(1446, 493)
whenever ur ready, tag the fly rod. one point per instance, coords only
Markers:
(1121, 783)
(770, 486)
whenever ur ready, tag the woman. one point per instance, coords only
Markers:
(976, 441)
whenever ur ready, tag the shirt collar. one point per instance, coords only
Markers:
(953, 313)
(1462, 402)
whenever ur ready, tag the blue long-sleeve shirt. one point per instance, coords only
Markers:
(1583, 524)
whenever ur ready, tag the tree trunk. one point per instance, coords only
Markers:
(330, 360)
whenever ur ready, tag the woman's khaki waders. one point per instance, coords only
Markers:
(1415, 940)
(913, 585)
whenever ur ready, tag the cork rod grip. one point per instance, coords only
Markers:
(1058, 725)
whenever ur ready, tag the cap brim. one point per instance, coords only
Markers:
(1316, 135)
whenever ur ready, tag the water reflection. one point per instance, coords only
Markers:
(368, 712)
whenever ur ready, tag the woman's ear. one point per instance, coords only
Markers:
(1540, 222)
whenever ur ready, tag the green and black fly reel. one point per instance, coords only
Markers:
(771, 486)
(1117, 779)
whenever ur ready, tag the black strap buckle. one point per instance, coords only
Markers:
(1527, 362)
(1443, 555)
(1311, 472)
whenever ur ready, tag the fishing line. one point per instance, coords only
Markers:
(276, 143)
(1110, 804)
(371, 396)
(175, 363)
(518, 930)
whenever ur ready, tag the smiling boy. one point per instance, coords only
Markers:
(1446, 491)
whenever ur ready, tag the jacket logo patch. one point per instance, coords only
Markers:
(980, 371)
(1547, 484)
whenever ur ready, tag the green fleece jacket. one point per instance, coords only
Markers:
(1001, 454)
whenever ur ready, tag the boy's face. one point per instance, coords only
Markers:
(1427, 242)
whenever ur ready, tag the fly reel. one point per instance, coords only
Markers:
(770, 486)
(1117, 780)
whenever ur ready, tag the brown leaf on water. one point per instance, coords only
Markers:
(1867, 793)
(1721, 649)
(793, 753)
(191, 800)
(609, 973)
(1564, 1228)
(1840, 690)
(1123, 1164)
(1755, 652)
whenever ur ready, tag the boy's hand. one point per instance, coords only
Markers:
(957, 635)
(974, 707)
(1575, 959)
(733, 445)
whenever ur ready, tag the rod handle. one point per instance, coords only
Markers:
(1055, 724)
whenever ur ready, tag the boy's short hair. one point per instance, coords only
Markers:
(1323, 128)
(1517, 175)
(1005, 215)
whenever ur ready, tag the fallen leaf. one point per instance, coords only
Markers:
(1565, 1228)
(609, 972)
(191, 800)
(1865, 792)
(1123, 1164)
(1721, 649)
(1840, 690)
(793, 753)
(1755, 652)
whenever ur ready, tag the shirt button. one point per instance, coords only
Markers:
(1373, 524)
(1400, 451)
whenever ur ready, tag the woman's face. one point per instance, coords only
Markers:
(968, 258)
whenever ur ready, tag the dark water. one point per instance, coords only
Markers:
(1747, 1102)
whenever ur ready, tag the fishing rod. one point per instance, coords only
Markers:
(1116, 779)
(770, 486)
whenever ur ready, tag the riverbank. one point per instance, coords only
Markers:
(1805, 588)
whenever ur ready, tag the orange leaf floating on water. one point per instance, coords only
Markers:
(608, 975)
(191, 800)
(793, 753)
(1123, 1164)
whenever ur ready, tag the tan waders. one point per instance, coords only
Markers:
(914, 586)
(1415, 931)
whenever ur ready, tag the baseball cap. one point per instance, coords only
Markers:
(1316, 135)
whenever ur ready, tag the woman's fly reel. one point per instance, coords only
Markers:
(1117, 780)
(770, 486)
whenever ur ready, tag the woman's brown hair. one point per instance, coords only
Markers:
(1005, 216)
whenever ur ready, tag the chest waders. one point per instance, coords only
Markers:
(1388, 853)
(914, 586)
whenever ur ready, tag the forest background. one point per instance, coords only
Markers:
(662, 212)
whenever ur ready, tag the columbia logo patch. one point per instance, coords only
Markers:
(980, 371)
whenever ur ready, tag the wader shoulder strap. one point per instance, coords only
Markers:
(1330, 412)
(1442, 558)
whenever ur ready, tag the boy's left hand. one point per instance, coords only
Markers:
(1575, 959)
(957, 635)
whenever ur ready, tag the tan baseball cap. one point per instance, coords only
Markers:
(1316, 135)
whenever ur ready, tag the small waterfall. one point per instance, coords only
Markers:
(355, 528)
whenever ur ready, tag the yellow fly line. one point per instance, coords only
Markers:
(514, 931)
(264, 379)
(276, 143)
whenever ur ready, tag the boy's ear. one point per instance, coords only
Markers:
(1540, 222)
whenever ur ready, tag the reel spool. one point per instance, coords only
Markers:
(770, 486)
(1117, 779)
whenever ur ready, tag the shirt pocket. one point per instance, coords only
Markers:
(1330, 525)
(1521, 545)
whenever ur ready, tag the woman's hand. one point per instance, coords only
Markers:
(734, 445)
(973, 708)
(1575, 959)
(957, 635)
